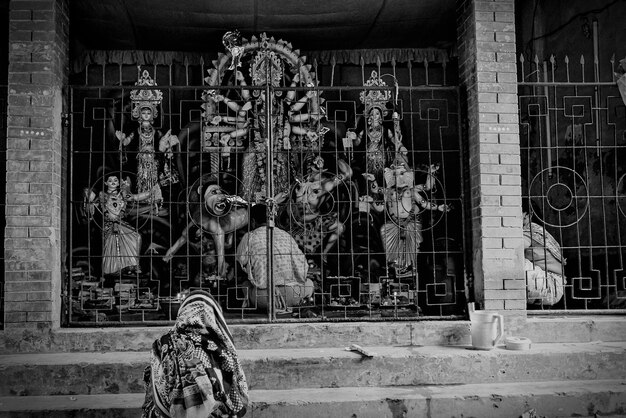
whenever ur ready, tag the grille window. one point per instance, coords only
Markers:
(357, 170)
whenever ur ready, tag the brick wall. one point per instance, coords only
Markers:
(38, 44)
(486, 42)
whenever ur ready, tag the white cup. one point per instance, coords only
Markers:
(487, 329)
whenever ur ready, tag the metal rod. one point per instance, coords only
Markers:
(546, 92)
(596, 78)
(563, 83)
(269, 188)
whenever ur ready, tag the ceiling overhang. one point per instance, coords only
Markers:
(198, 25)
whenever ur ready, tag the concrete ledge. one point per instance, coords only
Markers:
(285, 368)
(553, 399)
(549, 329)
(298, 335)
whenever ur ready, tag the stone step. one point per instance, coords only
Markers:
(121, 372)
(493, 400)
(540, 329)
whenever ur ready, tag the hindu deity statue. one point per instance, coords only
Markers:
(405, 202)
(284, 116)
(122, 242)
(375, 140)
(145, 108)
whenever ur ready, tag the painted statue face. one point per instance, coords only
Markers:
(375, 117)
(215, 200)
(311, 194)
(112, 182)
(146, 114)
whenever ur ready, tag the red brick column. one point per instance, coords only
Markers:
(38, 43)
(486, 39)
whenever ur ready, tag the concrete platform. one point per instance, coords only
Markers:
(551, 399)
(287, 368)
(298, 335)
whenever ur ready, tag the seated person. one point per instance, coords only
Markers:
(289, 265)
(543, 264)
(194, 368)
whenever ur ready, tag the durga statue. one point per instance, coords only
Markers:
(289, 117)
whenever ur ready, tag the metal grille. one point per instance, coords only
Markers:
(573, 144)
(3, 159)
(330, 214)
(4, 52)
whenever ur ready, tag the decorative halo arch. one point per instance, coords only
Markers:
(296, 65)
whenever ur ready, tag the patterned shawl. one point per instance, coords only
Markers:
(542, 238)
(194, 370)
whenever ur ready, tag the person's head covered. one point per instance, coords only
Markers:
(530, 209)
(200, 338)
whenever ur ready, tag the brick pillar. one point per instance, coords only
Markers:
(38, 68)
(486, 39)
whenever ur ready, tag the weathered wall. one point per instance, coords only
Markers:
(564, 27)
(488, 74)
(38, 42)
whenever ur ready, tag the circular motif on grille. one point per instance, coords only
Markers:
(560, 197)
(562, 190)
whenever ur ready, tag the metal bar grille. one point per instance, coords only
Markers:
(4, 52)
(573, 142)
(3, 159)
(336, 205)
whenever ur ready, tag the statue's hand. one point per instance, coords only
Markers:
(168, 256)
(124, 140)
(164, 142)
(344, 169)
(88, 202)
(281, 197)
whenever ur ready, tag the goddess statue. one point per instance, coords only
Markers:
(249, 129)
(145, 104)
(122, 243)
(375, 142)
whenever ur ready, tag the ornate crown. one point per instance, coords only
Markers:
(375, 98)
(259, 69)
(150, 98)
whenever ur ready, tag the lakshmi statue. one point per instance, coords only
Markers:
(145, 104)
(122, 243)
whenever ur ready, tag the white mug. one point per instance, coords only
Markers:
(487, 329)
